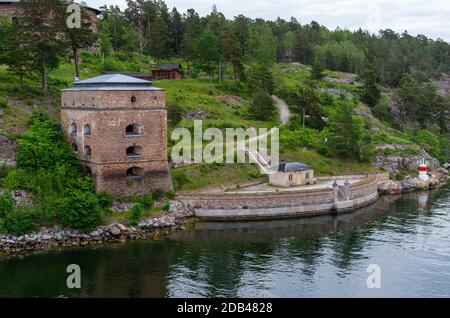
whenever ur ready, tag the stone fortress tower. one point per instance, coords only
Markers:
(118, 126)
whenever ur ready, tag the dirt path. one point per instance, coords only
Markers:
(285, 113)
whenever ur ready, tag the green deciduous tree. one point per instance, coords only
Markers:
(262, 44)
(207, 52)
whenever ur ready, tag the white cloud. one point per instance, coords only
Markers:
(417, 16)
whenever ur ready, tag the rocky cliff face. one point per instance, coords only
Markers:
(395, 163)
(7, 151)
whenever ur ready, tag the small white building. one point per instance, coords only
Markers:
(292, 175)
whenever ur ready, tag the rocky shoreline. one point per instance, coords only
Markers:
(55, 237)
(413, 184)
(170, 222)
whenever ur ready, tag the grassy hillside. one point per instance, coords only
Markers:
(224, 106)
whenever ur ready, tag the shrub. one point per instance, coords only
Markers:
(430, 142)
(171, 195)
(166, 207)
(180, 178)
(104, 199)
(3, 102)
(43, 146)
(80, 210)
(381, 110)
(136, 213)
(158, 194)
(19, 221)
(147, 201)
(6, 204)
(4, 171)
(16, 178)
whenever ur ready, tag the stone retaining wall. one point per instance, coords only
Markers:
(257, 205)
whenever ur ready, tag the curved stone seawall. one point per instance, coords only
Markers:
(284, 203)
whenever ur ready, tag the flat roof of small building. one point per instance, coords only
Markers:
(112, 82)
(294, 166)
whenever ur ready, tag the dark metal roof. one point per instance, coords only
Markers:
(112, 82)
(168, 66)
(293, 166)
(131, 74)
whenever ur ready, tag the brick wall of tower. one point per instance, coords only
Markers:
(108, 113)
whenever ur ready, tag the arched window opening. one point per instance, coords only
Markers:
(73, 129)
(75, 147)
(87, 151)
(135, 173)
(133, 99)
(133, 130)
(87, 131)
(134, 152)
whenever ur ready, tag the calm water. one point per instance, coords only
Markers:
(407, 236)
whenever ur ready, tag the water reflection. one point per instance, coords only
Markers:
(408, 236)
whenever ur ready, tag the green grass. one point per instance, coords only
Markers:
(326, 166)
(201, 95)
(124, 217)
(200, 176)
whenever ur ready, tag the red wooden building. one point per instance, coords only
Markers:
(170, 71)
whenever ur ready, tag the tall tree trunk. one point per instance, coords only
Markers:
(75, 62)
(21, 80)
(44, 77)
(141, 40)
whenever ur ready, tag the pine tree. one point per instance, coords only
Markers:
(176, 26)
(318, 69)
(262, 106)
(370, 92)
(104, 39)
(261, 78)
(14, 51)
(134, 13)
(80, 38)
(192, 32)
(232, 52)
(159, 38)
(348, 137)
(40, 24)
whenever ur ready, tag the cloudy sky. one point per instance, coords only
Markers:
(431, 17)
